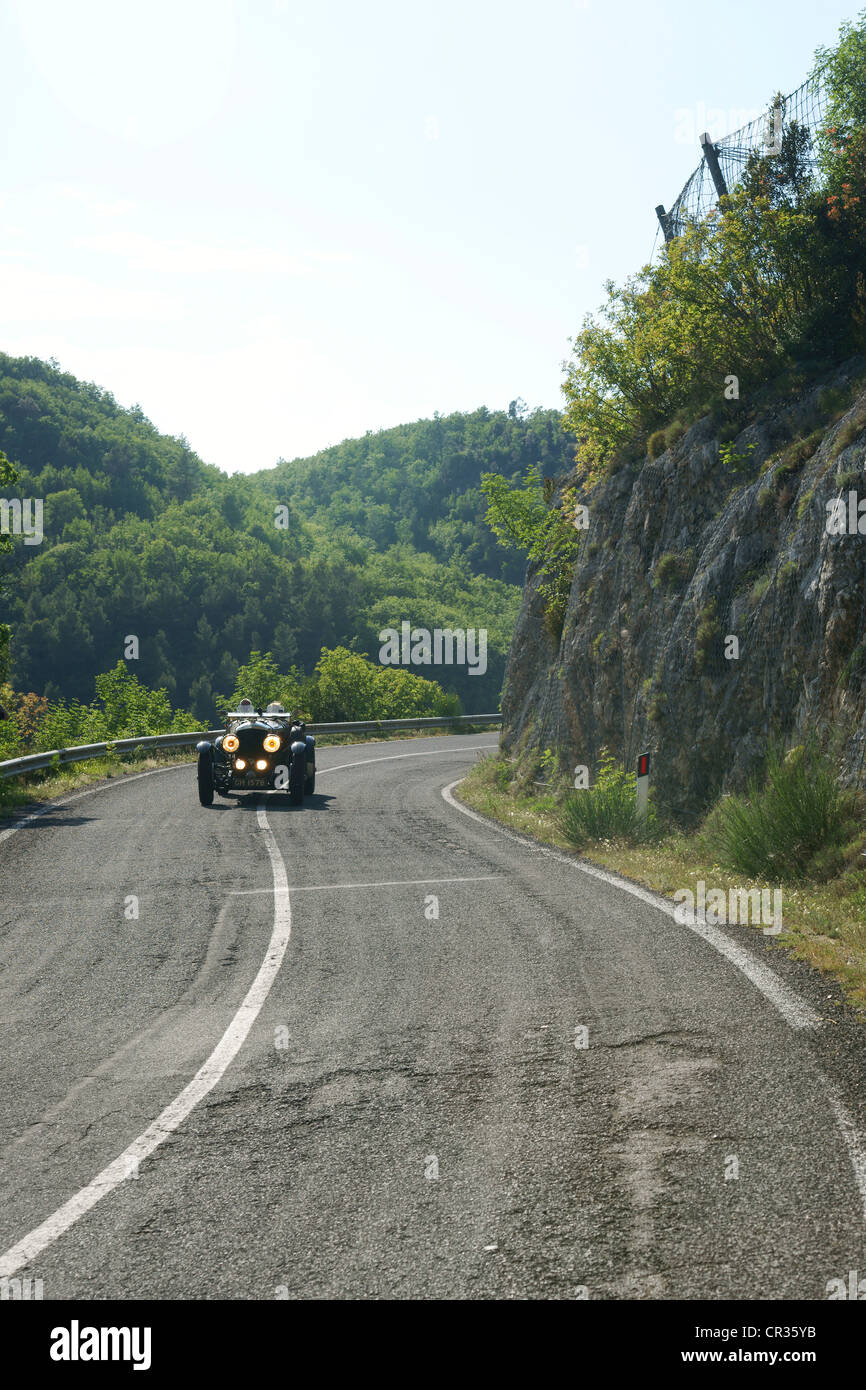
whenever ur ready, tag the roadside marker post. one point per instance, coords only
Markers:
(643, 763)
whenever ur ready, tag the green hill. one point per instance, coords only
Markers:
(142, 538)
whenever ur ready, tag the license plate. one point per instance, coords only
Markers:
(254, 782)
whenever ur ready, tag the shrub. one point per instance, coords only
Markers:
(792, 826)
(774, 270)
(672, 569)
(656, 444)
(708, 629)
(849, 432)
(606, 810)
(759, 588)
(524, 517)
(804, 502)
(766, 499)
(658, 707)
(802, 450)
(730, 458)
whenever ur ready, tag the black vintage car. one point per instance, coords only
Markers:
(260, 750)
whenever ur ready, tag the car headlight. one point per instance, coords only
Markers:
(262, 764)
(230, 743)
(272, 743)
(240, 764)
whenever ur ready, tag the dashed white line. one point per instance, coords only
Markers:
(386, 883)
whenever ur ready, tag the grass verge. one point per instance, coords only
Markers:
(824, 923)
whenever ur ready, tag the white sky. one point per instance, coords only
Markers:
(277, 225)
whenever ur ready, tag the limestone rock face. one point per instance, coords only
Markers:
(689, 559)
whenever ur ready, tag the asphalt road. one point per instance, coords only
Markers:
(390, 1101)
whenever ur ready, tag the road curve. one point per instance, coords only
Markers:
(429, 1061)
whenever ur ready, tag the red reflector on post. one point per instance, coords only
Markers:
(643, 765)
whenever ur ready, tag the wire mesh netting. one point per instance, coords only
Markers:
(805, 107)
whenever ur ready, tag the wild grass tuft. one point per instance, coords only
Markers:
(792, 825)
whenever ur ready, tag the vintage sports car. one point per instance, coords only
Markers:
(260, 750)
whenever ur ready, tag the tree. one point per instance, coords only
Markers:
(8, 476)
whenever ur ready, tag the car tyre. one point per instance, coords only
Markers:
(205, 778)
(310, 783)
(296, 778)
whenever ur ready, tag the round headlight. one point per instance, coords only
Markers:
(240, 764)
(230, 743)
(272, 743)
(262, 764)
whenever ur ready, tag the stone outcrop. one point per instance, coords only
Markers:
(707, 543)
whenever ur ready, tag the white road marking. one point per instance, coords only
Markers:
(795, 1011)
(853, 1139)
(124, 1167)
(394, 757)
(387, 883)
(180, 767)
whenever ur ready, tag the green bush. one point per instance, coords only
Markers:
(672, 570)
(657, 443)
(766, 499)
(657, 707)
(708, 630)
(346, 686)
(792, 825)
(606, 810)
(526, 517)
(774, 270)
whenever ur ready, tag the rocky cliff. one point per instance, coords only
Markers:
(710, 606)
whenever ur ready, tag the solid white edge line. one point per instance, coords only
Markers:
(174, 1114)
(796, 1012)
(852, 1137)
(395, 757)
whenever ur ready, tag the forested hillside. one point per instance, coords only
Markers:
(142, 538)
(419, 483)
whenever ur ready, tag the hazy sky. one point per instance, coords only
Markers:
(276, 225)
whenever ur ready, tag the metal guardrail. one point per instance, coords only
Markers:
(35, 762)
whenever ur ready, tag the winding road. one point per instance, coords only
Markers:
(377, 1047)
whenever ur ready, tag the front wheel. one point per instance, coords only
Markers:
(205, 778)
(310, 783)
(296, 778)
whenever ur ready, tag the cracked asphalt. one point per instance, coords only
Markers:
(410, 1115)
